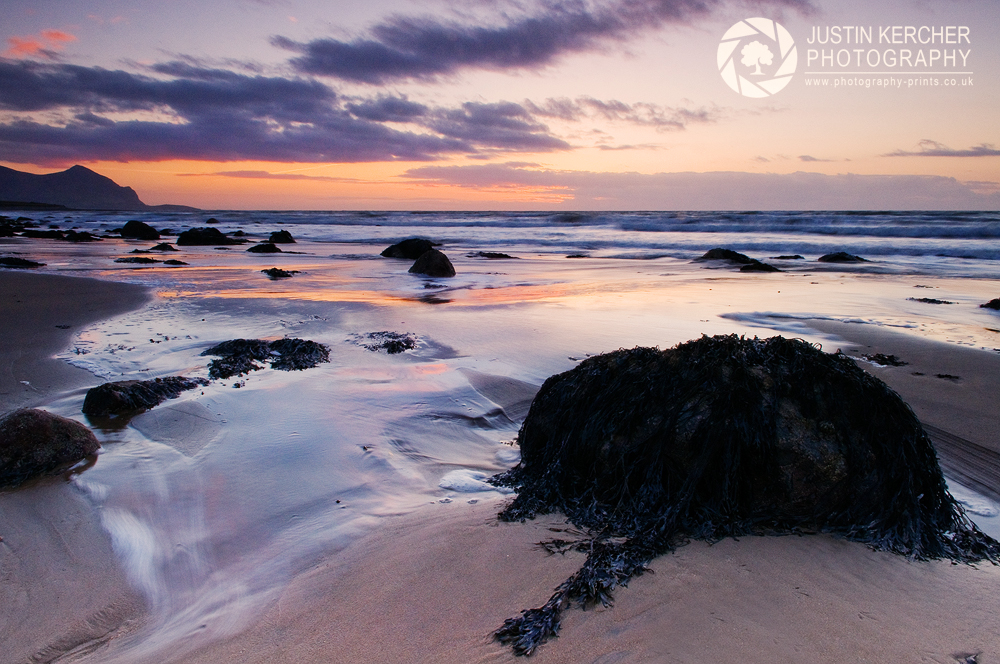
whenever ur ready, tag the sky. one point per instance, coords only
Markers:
(510, 104)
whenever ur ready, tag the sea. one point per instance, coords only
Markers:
(216, 499)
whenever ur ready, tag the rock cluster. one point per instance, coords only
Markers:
(240, 356)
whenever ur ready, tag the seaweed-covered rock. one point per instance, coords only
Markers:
(34, 442)
(929, 300)
(718, 437)
(277, 273)
(391, 342)
(240, 356)
(992, 304)
(720, 254)
(138, 230)
(841, 257)
(281, 237)
(264, 248)
(132, 395)
(412, 248)
(433, 263)
(13, 261)
(204, 237)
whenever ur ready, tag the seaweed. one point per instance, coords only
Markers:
(240, 356)
(391, 342)
(719, 437)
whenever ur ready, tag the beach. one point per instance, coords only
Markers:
(339, 513)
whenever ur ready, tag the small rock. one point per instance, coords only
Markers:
(164, 246)
(204, 237)
(841, 257)
(174, 261)
(885, 360)
(433, 263)
(136, 259)
(391, 342)
(281, 237)
(720, 254)
(412, 248)
(757, 266)
(264, 248)
(929, 300)
(492, 255)
(992, 304)
(795, 257)
(278, 273)
(138, 230)
(19, 262)
(34, 442)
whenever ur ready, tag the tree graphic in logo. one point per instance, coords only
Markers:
(754, 54)
(751, 44)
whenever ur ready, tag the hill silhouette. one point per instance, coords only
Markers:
(77, 187)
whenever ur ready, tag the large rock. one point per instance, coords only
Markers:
(992, 304)
(411, 249)
(433, 263)
(204, 237)
(720, 254)
(129, 396)
(719, 437)
(841, 257)
(34, 442)
(264, 248)
(138, 230)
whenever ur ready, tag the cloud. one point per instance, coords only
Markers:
(662, 118)
(206, 113)
(717, 190)
(420, 48)
(929, 148)
(265, 175)
(810, 158)
(46, 43)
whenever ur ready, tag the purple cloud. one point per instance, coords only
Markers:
(929, 148)
(407, 48)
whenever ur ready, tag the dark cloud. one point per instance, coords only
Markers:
(216, 114)
(719, 190)
(503, 125)
(810, 158)
(929, 148)
(405, 47)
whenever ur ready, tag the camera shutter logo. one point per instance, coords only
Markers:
(757, 57)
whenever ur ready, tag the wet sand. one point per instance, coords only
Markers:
(61, 587)
(41, 313)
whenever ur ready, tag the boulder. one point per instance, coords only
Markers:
(281, 237)
(164, 246)
(724, 436)
(129, 396)
(411, 249)
(992, 304)
(138, 230)
(174, 261)
(204, 237)
(433, 263)
(34, 442)
(264, 248)
(841, 257)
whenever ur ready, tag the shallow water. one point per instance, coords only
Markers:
(215, 499)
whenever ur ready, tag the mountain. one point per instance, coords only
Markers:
(77, 187)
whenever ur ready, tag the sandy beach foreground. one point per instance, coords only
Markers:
(431, 586)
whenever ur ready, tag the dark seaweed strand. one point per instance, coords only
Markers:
(904, 508)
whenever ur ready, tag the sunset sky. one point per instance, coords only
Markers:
(500, 104)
